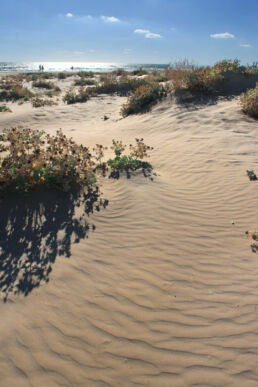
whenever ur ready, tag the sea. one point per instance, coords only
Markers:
(77, 66)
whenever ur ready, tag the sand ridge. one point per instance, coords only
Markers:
(164, 291)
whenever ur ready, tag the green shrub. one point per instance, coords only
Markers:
(14, 91)
(39, 76)
(4, 108)
(139, 72)
(72, 97)
(119, 73)
(203, 79)
(249, 102)
(84, 82)
(63, 75)
(46, 85)
(33, 158)
(143, 98)
(251, 174)
(39, 102)
(229, 65)
(122, 87)
(86, 74)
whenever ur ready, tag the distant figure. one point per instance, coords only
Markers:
(39, 67)
(72, 68)
(42, 68)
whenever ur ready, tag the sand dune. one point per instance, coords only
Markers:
(163, 291)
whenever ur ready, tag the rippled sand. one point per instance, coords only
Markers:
(163, 291)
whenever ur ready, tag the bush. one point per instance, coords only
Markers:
(86, 74)
(4, 108)
(14, 91)
(46, 85)
(39, 76)
(133, 161)
(203, 79)
(249, 102)
(139, 72)
(251, 174)
(72, 97)
(119, 72)
(143, 98)
(39, 102)
(84, 82)
(122, 87)
(229, 65)
(33, 158)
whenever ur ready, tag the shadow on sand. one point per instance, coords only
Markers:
(37, 228)
(147, 173)
(192, 101)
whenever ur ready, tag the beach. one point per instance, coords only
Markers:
(161, 289)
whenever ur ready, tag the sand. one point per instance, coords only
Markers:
(163, 290)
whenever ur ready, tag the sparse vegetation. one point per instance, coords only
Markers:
(249, 102)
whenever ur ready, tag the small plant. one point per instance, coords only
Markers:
(143, 98)
(39, 102)
(249, 102)
(4, 108)
(133, 161)
(251, 174)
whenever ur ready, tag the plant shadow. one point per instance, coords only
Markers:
(254, 247)
(193, 100)
(147, 173)
(36, 229)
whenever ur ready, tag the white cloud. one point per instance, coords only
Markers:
(110, 19)
(78, 52)
(148, 34)
(69, 14)
(245, 45)
(91, 51)
(224, 35)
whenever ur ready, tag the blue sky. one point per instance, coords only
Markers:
(133, 31)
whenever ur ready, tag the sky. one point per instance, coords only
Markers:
(133, 31)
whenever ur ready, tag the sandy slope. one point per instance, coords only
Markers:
(164, 292)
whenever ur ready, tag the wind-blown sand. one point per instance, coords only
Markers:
(164, 292)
